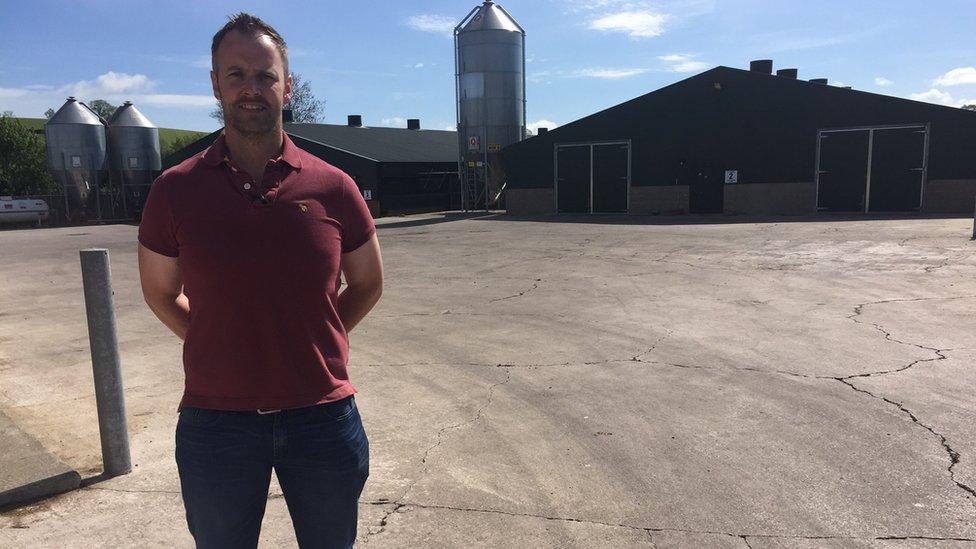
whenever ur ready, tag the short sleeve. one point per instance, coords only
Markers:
(357, 222)
(157, 230)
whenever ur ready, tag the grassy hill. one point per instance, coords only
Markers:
(166, 135)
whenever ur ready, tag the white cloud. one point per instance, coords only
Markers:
(683, 63)
(451, 128)
(175, 100)
(120, 82)
(636, 24)
(401, 95)
(396, 122)
(13, 93)
(933, 96)
(534, 126)
(438, 24)
(882, 81)
(608, 74)
(790, 40)
(113, 87)
(418, 66)
(601, 73)
(941, 98)
(195, 61)
(956, 77)
(840, 84)
(205, 62)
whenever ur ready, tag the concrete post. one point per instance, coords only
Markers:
(100, 307)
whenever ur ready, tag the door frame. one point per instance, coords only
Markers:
(590, 144)
(867, 181)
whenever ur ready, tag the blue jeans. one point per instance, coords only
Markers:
(319, 453)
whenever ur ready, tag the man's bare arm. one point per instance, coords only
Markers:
(363, 271)
(162, 288)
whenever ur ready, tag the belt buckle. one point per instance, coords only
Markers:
(265, 412)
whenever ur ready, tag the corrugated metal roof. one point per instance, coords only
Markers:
(383, 144)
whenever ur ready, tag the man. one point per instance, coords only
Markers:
(240, 254)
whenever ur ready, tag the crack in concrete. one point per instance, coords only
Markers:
(933, 268)
(478, 415)
(651, 529)
(954, 456)
(535, 286)
(859, 309)
(426, 466)
(384, 520)
(931, 538)
(637, 357)
(123, 491)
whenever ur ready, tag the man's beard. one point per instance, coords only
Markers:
(248, 124)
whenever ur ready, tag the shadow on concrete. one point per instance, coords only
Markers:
(34, 226)
(712, 219)
(91, 481)
(46, 493)
(429, 219)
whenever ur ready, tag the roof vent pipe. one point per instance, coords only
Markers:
(413, 123)
(764, 66)
(355, 121)
(787, 73)
(821, 81)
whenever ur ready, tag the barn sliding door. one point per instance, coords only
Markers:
(573, 179)
(873, 169)
(593, 177)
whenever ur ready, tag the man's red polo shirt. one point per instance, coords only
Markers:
(260, 264)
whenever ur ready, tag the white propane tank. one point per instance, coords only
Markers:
(22, 210)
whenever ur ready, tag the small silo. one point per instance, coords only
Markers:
(490, 67)
(134, 158)
(76, 156)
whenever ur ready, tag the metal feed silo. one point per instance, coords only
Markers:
(76, 156)
(134, 159)
(489, 59)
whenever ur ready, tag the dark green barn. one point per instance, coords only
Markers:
(751, 142)
(396, 169)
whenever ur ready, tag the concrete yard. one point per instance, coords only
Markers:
(569, 382)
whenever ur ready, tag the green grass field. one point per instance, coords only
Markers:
(166, 135)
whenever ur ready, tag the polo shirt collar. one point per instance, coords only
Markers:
(289, 153)
(217, 153)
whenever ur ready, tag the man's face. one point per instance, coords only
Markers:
(251, 83)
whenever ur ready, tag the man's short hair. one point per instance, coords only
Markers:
(248, 24)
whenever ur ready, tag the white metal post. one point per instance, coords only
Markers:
(867, 186)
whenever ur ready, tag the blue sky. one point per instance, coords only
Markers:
(392, 60)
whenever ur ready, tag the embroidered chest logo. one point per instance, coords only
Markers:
(303, 207)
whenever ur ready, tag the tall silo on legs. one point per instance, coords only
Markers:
(489, 59)
(76, 154)
(134, 158)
